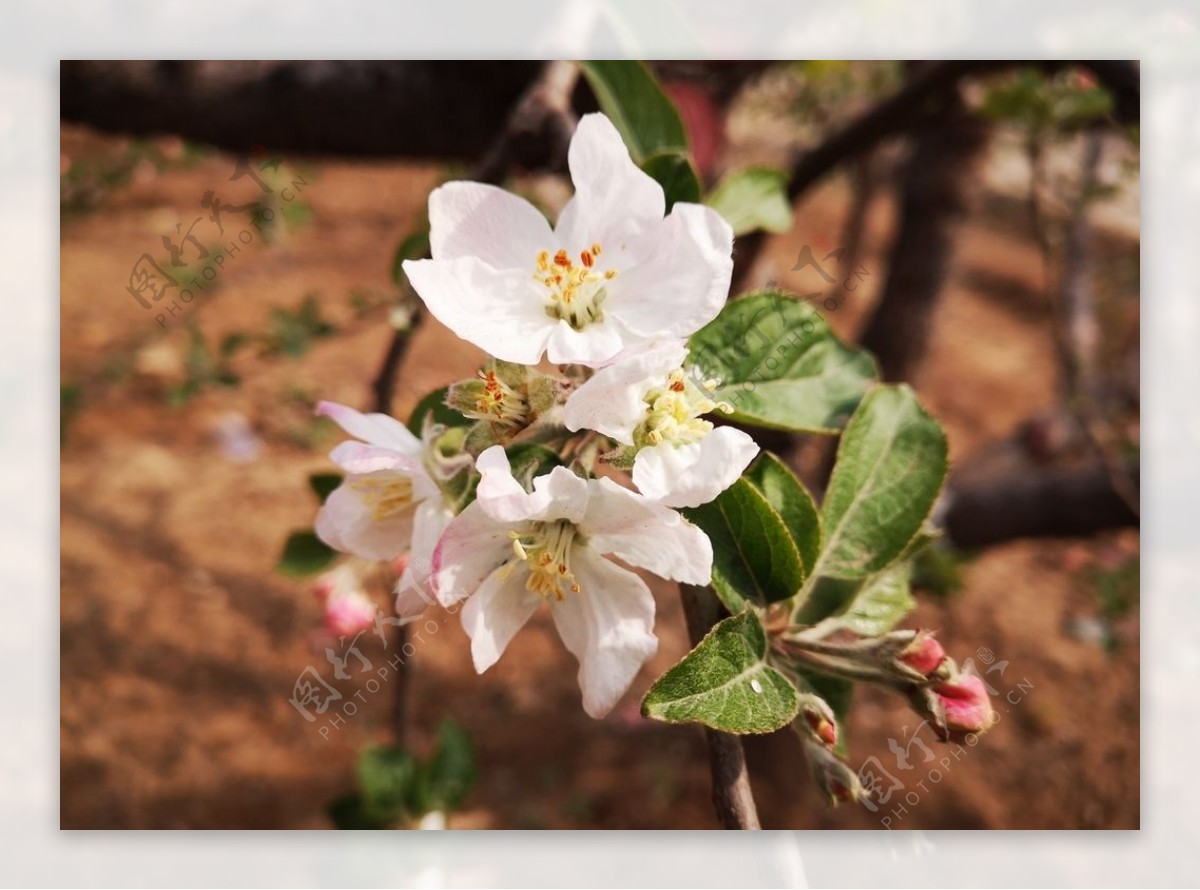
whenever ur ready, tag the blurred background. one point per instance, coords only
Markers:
(975, 224)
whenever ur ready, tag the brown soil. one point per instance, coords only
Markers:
(180, 644)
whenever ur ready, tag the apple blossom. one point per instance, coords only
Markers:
(966, 703)
(347, 608)
(612, 273)
(647, 401)
(388, 504)
(511, 550)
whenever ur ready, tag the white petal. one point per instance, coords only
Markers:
(691, 475)
(646, 534)
(612, 401)
(597, 344)
(565, 495)
(374, 429)
(608, 626)
(503, 313)
(685, 281)
(615, 202)
(471, 219)
(347, 522)
(472, 547)
(411, 603)
(499, 494)
(496, 612)
(430, 520)
(359, 458)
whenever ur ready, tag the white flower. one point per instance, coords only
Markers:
(645, 400)
(388, 504)
(612, 273)
(511, 551)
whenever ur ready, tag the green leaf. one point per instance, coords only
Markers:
(633, 100)
(791, 500)
(450, 774)
(348, 814)
(675, 173)
(414, 247)
(304, 554)
(780, 365)
(529, 460)
(890, 468)
(387, 783)
(755, 558)
(435, 402)
(726, 683)
(753, 198)
(869, 607)
(323, 484)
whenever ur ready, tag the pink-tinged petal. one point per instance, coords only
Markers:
(645, 534)
(501, 312)
(615, 203)
(691, 475)
(412, 603)
(348, 611)
(684, 282)
(430, 521)
(595, 345)
(612, 401)
(472, 547)
(968, 707)
(496, 612)
(374, 429)
(471, 219)
(356, 457)
(347, 522)
(608, 626)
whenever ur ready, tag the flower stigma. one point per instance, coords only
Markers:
(545, 548)
(576, 292)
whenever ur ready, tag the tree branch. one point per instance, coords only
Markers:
(731, 792)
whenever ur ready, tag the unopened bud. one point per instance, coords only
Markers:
(347, 611)
(924, 655)
(819, 719)
(966, 703)
(839, 783)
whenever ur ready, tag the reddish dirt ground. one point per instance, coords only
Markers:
(180, 643)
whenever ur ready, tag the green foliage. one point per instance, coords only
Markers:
(754, 198)
(780, 366)
(434, 404)
(755, 558)
(70, 400)
(395, 788)
(203, 368)
(890, 468)
(529, 459)
(633, 100)
(726, 683)
(304, 554)
(323, 484)
(791, 500)
(1046, 105)
(675, 173)
(292, 331)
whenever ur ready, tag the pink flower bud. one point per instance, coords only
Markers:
(822, 727)
(924, 655)
(968, 707)
(347, 608)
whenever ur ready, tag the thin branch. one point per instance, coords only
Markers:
(731, 792)
(545, 108)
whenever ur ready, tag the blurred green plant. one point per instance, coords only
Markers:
(292, 331)
(203, 367)
(396, 789)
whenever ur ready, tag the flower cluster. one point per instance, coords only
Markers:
(609, 295)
